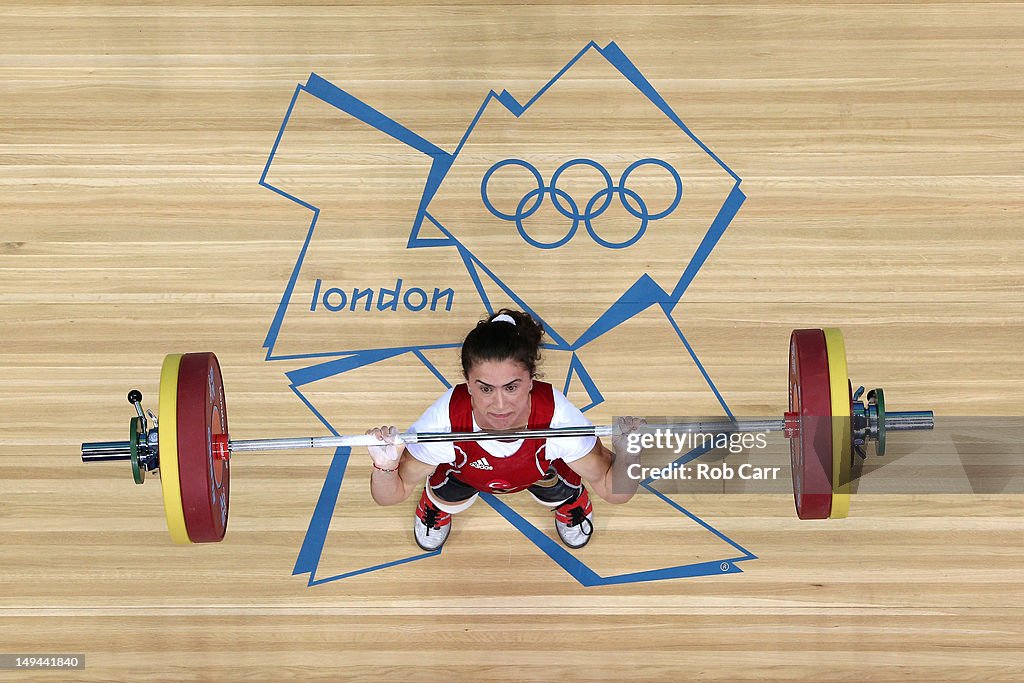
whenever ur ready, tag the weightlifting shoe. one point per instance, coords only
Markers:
(432, 524)
(574, 521)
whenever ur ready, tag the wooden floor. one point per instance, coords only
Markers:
(880, 148)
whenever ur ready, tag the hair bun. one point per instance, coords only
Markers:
(503, 318)
(487, 342)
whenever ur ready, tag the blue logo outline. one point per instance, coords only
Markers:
(643, 294)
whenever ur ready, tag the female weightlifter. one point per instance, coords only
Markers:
(501, 393)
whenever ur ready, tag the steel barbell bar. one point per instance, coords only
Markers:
(107, 451)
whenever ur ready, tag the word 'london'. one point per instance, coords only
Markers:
(335, 299)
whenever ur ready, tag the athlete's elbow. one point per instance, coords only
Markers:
(387, 499)
(617, 498)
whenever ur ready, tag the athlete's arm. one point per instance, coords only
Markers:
(392, 487)
(601, 467)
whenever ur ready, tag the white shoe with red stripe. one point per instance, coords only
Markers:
(432, 525)
(574, 521)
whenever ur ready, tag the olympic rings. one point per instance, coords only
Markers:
(532, 200)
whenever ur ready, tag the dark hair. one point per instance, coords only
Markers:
(500, 340)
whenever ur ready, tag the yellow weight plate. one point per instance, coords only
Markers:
(168, 434)
(839, 383)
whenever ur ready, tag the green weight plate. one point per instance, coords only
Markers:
(878, 396)
(134, 434)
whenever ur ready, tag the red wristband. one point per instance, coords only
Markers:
(382, 469)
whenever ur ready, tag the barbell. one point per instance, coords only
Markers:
(189, 448)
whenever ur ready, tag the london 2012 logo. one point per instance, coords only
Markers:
(588, 203)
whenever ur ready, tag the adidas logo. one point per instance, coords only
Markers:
(481, 464)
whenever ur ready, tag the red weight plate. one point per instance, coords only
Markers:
(810, 397)
(203, 465)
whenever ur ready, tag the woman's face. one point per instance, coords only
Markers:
(500, 394)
